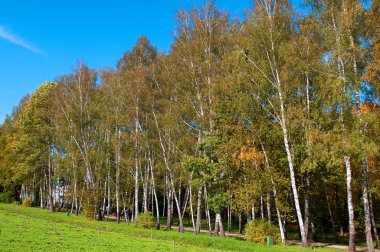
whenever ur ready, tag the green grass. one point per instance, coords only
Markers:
(34, 229)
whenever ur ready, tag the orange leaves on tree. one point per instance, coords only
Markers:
(248, 153)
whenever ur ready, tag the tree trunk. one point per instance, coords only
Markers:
(313, 231)
(145, 190)
(366, 207)
(330, 213)
(191, 208)
(306, 202)
(280, 225)
(229, 218)
(253, 211)
(373, 220)
(104, 197)
(136, 213)
(137, 165)
(199, 205)
(218, 225)
(291, 170)
(208, 217)
(124, 208)
(154, 189)
(350, 205)
(41, 197)
(186, 199)
(117, 182)
(51, 205)
(164, 204)
(108, 190)
(180, 218)
(261, 206)
(169, 209)
(269, 208)
(240, 221)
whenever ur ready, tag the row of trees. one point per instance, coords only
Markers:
(275, 117)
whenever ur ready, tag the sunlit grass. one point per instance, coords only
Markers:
(34, 229)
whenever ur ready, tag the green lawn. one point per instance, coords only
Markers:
(34, 229)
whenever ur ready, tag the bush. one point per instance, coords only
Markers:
(6, 197)
(28, 202)
(146, 220)
(89, 209)
(90, 203)
(258, 231)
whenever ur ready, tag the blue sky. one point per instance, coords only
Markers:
(43, 39)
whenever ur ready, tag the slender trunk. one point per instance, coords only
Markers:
(164, 204)
(154, 189)
(104, 197)
(51, 205)
(117, 182)
(261, 206)
(313, 231)
(136, 189)
(41, 197)
(269, 208)
(306, 202)
(280, 224)
(191, 208)
(240, 221)
(253, 211)
(169, 209)
(137, 165)
(291, 170)
(207, 212)
(170, 174)
(124, 208)
(108, 190)
(219, 230)
(199, 203)
(185, 201)
(350, 205)
(76, 197)
(145, 197)
(366, 207)
(180, 218)
(229, 218)
(373, 220)
(145, 190)
(330, 212)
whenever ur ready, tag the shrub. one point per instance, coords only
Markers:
(145, 220)
(28, 202)
(258, 231)
(89, 209)
(6, 197)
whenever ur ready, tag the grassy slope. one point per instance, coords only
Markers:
(33, 229)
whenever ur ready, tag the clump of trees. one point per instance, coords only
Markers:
(273, 117)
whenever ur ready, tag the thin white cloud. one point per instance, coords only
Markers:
(7, 35)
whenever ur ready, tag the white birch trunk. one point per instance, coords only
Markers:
(219, 230)
(291, 170)
(199, 204)
(154, 188)
(367, 216)
(269, 208)
(373, 220)
(117, 182)
(207, 212)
